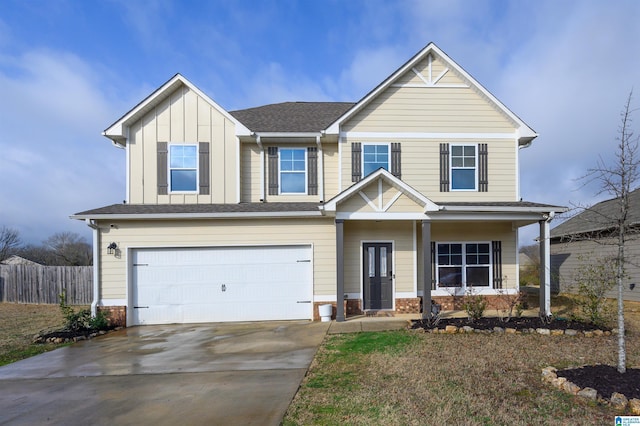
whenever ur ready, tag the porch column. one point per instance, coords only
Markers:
(545, 271)
(340, 270)
(426, 270)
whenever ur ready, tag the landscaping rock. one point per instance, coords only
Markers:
(571, 388)
(588, 334)
(451, 329)
(467, 329)
(588, 393)
(498, 330)
(598, 332)
(558, 382)
(510, 330)
(549, 374)
(571, 332)
(557, 332)
(543, 331)
(634, 406)
(619, 401)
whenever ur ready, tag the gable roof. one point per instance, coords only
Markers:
(292, 116)
(599, 217)
(525, 133)
(331, 205)
(116, 131)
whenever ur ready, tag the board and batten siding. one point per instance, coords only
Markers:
(184, 117)
(217, 233)
(421, 168)
(398, 232)
(568, 258)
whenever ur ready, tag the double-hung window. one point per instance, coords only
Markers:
(374, 156)
(183, 168)
(293, 171)
(463, 167)
(463, 265)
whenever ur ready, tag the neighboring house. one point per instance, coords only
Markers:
(17, 260)
(587, 238)
(408, 195)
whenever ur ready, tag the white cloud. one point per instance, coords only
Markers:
(54, 161)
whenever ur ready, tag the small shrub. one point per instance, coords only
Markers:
(81, 320)
(474, 305)
(592, 282)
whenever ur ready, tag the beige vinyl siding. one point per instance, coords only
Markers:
(250, 172)
(401, 233)
(430, 109)
(356, 203)
(567, 259)
(481, 231)
(186, 118)
(200, 233)
(405, 204)
(421, 168)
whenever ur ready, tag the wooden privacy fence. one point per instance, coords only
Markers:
(43, 284)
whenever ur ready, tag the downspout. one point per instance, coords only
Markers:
(262, 194)
(96, 265)
(320, 169)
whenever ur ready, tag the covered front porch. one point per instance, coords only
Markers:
(399, 252)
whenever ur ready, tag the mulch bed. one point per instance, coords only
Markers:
(605, 379)
(71, 335)
(522, 323)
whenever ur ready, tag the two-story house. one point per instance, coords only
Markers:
(409, 195)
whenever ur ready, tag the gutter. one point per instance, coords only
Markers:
(174, 216)
(96, 265)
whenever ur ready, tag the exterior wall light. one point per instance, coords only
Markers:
(111, 248)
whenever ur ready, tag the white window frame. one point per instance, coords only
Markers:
(475, 171)
(169, 168)
(306, 172)
(463, 288)
(388, 144)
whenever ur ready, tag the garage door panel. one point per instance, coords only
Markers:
(222, 284)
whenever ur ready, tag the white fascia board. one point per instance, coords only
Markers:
(485, 216)
(161, 216)
(426, 135)
(117, 130)
(502, 209)
(289, 134)
(379, 216)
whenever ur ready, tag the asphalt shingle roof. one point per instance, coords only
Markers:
(146, 209)
(292, 116)
(599, 217)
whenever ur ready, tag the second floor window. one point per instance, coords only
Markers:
(463, 167)
(183, 168)
(293, 171)
(374, 157)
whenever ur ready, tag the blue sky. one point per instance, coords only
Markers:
(68, 69)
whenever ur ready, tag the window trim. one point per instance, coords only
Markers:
(306, 171)
(475, 168)
(463, 288)
(169, 168)
(363, 144)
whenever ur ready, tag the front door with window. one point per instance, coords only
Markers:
(378, 276)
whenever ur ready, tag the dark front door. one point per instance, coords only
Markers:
(378, 277)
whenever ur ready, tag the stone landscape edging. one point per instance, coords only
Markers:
(617, 400)
(452, 329)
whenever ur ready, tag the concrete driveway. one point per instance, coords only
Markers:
(234, 373)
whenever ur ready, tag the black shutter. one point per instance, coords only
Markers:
(356, 162)
(444, 167)
(496, 250)
(163, 186)
(433, 265)
(396, 165)
(272, 165)
(483, 175)
(203, 168)
(312, 170)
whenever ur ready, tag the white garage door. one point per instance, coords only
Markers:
(188, 285)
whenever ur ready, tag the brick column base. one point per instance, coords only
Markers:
(411, 305)
(116, 315)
